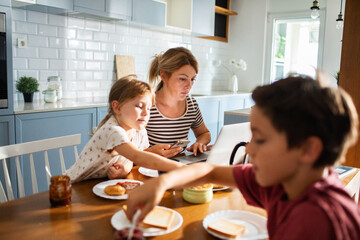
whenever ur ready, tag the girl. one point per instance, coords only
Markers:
(175, 112)
(121, 136)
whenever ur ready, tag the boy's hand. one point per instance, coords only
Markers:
(165, 150)
(145, 198)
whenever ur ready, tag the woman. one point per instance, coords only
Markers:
(175, 112)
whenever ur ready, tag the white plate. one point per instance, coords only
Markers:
(148, 172)
(98, 189)
(254, 223)
(220, 189)
(120, 221)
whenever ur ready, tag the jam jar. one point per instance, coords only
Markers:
(60, 191)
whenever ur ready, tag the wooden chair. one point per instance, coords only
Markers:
(22, 149)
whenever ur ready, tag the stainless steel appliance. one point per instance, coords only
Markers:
(6, 101)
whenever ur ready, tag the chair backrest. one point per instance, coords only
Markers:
(17, 150)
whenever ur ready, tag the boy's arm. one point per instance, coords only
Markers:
(146, 159)
(147, 196)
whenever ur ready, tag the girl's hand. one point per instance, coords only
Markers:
(197, 146)
(118, 170)
(165, 150)
(145, 198)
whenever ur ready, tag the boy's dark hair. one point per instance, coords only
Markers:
(301, 107)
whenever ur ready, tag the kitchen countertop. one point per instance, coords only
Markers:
(39, 105)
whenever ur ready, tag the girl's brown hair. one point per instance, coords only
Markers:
(168, 62)
(124, 89)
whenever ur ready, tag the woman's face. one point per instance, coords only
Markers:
(180, 82)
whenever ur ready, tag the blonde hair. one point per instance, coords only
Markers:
(125, 89)
(168, 62)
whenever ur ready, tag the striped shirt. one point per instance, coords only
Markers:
(164, 130)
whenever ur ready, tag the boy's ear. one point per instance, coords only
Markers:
(116, 107)
(312, 148)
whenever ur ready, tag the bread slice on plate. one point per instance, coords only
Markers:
(159, 217)
(226, 228)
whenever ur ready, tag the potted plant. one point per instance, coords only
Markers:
(27, 85)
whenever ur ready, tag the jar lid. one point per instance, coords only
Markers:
(49, 91)
(54, 78)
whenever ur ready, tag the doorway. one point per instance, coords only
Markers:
(296, 45)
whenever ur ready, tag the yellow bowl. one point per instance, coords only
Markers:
(196, 195)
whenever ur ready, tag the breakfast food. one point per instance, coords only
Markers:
(120, 188)
(128, 185)
(114, 190)
(227, 228)
(159, 217)
(205, 186)
(216, 186)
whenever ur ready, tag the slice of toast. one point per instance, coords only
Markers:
(159, 217)
(227, 228)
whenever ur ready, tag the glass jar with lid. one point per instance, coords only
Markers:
(50, 95)
(54, 83)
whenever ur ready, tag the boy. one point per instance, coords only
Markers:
(299, 130)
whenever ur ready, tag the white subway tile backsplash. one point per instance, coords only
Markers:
(81, 51)
(37, 17)
(20, 63)
(57, 42)
(92, 45)
(47, 30)
(58, 64)
(76, 44)
(76, 65)
(92, 85)
(84, 34)
(101, 36)
(18, 14)
(76, 23)
(25, 53)
(85, 55)
(67, 54)
(57, 20)
(37, 41)
(48, 53)
(36, 64)
(24, 27)
(92, 25)
(66, 32)
(28, 73)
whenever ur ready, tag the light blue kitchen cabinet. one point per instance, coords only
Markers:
(149, 12)
(210, 110)
(101, 112)
(116, 9)
(203, 17)
(36, 126)
(48, 6)
(7, 136)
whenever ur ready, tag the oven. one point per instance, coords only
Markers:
(3, 64)
(6, 88)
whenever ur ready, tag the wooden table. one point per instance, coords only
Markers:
(88, 217)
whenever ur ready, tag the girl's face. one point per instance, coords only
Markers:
(134, 113)
(180, 82)
(272, 161)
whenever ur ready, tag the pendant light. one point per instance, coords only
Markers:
(340, 20)
(315, 10)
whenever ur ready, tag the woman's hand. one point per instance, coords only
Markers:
(197, 146)
(145, 198)
(165, 150)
